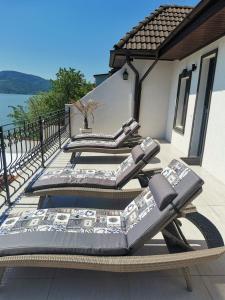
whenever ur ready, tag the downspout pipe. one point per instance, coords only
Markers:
(138, 85)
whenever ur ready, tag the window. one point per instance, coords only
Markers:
(182, 101)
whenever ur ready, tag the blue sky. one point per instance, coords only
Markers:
(39, 36)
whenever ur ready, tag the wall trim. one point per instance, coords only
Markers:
(214, 51)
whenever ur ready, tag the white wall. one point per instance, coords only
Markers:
(158, 105)
(155, 98)
(116, 98)
(214, 158)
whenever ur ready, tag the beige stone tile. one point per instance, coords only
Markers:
(29, 273)
(215, 286)
(215, 215)
(25, 289)
(215, 267)
(165, 287)
(156, 285)
(208, 279)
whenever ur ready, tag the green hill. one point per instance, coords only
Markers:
(12, 82)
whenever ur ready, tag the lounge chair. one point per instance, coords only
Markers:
(107, 240)
(81, 181)
(121, 144)
(101, 136)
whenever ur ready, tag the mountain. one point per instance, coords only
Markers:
(12, 82)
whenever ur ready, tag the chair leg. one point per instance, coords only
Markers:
(187, 277)
(2, 271)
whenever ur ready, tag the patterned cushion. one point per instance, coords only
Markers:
(61, 178)
(80, 220)
(137, 153)
(102, 135)
(127, 133)
(103, 143)
(129, 161)
(92, 136)
(138, 208)
(72, 178)
(63, 231)
(65, 219)
(95, 231)
(90, 220)
(90, 143)
(129, 168)
(145, 202)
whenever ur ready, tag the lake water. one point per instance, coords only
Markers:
(10, 99)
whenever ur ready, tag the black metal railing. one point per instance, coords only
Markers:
(26, 147)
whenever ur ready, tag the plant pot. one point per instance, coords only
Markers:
(83, 130)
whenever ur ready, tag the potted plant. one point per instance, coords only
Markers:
(86, 108)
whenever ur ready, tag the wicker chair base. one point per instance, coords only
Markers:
(135, 263)
(91, 192)
(115, 264)
(100, 150)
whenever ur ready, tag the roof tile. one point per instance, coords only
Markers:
(154, 29)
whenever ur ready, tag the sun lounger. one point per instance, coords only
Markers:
(107, 240)
(75, 181)
(101, 136)
(120, 145)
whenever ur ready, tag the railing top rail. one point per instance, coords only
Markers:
(27, 122)
(25, 147)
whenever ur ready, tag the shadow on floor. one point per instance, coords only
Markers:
(82, 202)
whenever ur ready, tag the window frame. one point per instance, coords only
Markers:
(185, 74)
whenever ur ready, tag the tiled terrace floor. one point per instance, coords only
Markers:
(208, 280)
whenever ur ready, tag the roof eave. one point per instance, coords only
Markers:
(196, 11)
(139, 54)
(200, 15)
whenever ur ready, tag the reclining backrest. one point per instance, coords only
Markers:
(139, 157)
(127, 132)
(124, 125)
(160, 203)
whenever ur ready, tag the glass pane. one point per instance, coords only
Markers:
(181, 104)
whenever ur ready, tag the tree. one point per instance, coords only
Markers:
(69, 85)
(18, 114)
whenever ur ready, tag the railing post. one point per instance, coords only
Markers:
(59, 129)
(41, 141)
(5, 172)
(69, 113)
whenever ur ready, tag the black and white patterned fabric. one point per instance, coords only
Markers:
(94, 135)
(92, 220)
(62, 178)
(65, 219)
(103, 143)
(147, 142)
(128, 162)
(93, 178)
(77, 175)
(145, 202)
(102, 135)
(93, 143)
